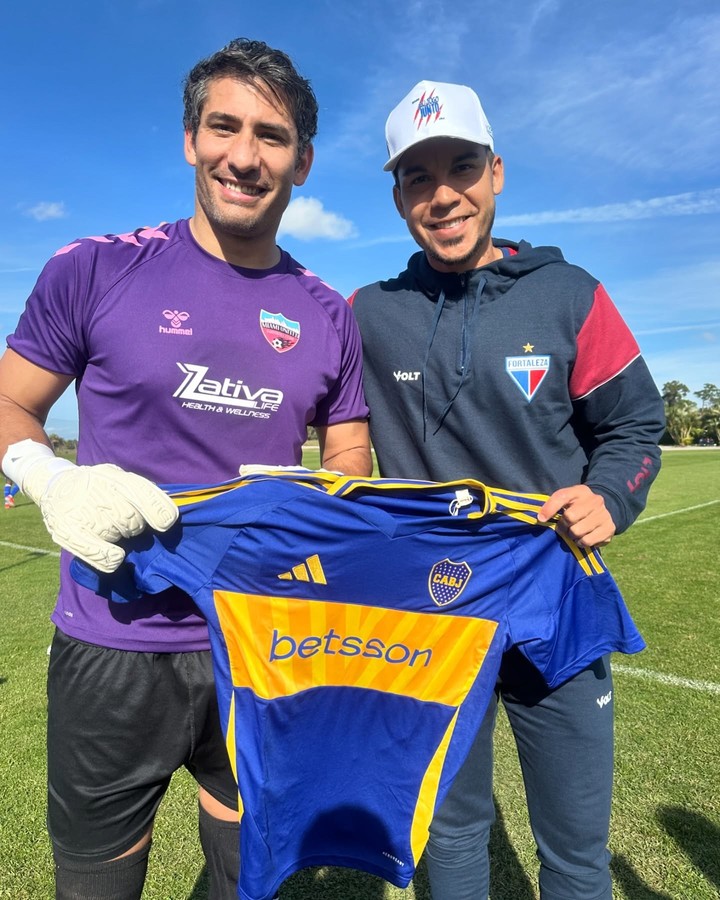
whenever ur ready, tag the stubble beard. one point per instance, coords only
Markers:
(242, 224)
(223, 223)
(479, 247)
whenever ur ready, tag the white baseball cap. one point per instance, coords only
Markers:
(435, 109)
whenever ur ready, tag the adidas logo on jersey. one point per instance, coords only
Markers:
(310, 570)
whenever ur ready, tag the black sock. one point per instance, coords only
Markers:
(221, 845)
(119, 879)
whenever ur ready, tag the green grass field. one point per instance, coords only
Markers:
(666, 820)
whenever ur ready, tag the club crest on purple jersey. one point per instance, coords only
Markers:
(528, 372)
(447, 581)
(281, 333)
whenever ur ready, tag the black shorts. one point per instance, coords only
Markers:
(119, 724)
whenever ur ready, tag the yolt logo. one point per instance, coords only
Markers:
(198, 388)
(406, 376)
(644, 473)
(283, 646)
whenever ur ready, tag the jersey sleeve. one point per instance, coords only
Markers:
(345, 399)
(565, 609)
(50, 332)
(187, 555)
(618, 412)
(184, 557)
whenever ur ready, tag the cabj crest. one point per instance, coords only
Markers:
(447, 581)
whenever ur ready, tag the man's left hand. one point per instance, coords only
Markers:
(584, 518)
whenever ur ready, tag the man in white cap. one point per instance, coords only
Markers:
(499, 361)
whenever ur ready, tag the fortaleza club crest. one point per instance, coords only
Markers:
(282, 334)
(528, 372)
(447, 581)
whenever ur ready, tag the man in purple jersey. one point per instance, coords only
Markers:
(495, 360)
(195, 346)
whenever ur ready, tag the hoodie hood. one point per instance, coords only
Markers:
(499, 276)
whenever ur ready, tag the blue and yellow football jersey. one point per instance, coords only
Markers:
(357, 627)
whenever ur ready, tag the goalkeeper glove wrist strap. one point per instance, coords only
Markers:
(32, 466)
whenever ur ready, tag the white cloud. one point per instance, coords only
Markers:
(306, 219)
(402, 238)
(671, 298)
(692, 203)
(702, 327)
(41, 212)
(694, 365)
(645, 96)
(618, 85)
(416, 42)
(673, 313)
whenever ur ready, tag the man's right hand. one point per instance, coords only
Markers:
(584, 518)
(87, 509)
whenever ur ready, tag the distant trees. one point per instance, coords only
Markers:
(61, 445)
(686, 422)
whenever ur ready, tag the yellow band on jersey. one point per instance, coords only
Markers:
(278, 646)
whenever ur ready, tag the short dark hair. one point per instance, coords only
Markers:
(253, 61)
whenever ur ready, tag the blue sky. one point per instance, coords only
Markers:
(606, 115)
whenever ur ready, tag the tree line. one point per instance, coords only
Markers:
(686, 421)
(62, 446)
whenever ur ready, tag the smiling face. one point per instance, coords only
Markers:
(246, 160)
(446, 193)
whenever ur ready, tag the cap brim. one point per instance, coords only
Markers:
(391, 164)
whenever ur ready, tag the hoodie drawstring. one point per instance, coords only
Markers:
(465, 350)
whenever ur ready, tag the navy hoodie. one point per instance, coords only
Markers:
(521, 374)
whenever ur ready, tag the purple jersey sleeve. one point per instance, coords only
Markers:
(345, 399)
(50, 332)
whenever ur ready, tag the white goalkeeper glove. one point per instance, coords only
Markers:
(87, 509)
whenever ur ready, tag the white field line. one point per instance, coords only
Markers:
(707, 687)
(676, 512)
(29, 549)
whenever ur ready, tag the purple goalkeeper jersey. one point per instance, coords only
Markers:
(185, 368)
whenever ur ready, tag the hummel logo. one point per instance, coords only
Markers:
(176, 317)
(310, 570)
(603, 701)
